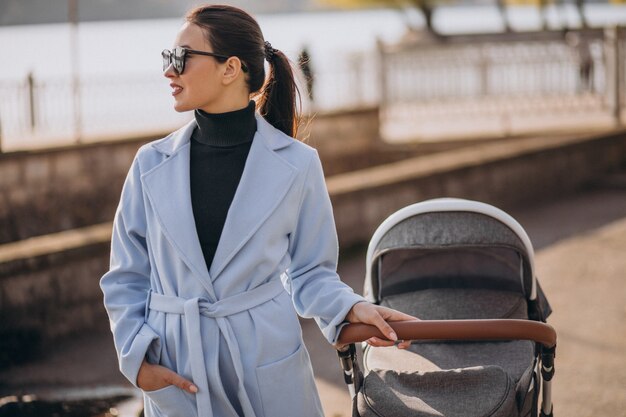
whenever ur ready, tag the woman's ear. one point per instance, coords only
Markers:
(232, 69)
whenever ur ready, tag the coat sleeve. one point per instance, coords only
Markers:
(126, 285)
(315, 287)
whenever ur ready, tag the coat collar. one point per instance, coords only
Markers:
(273, 137)
(265, 180)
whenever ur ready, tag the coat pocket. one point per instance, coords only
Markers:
(170, 401)
(287, 387)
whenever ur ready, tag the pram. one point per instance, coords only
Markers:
(466, 269)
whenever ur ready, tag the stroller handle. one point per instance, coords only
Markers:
(486, 329)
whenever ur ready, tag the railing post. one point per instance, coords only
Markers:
(356, 64)
(382, 84)
(76, 93)
(613, 68)
(30, 83)
(483, 68)
(382, 78)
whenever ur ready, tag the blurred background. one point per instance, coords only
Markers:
(79, 71)
(518, 103)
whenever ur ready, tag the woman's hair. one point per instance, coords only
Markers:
(233, 32)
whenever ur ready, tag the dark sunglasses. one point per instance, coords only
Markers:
(178, 56)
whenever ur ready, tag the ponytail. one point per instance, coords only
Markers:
(233, 32)
(277, 98)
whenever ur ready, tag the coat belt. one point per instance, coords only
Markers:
(192, 309)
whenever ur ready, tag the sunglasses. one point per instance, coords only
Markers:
(178, 56)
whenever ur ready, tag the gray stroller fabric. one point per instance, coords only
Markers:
(429, 233)
(449, 230)
(460, 303)
(470, 392)
(440, 229)
(514, 357)
(431, 369)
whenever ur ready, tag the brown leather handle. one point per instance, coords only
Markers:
(496, 329)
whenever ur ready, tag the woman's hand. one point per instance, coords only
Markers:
(153, 377)
(368, 313)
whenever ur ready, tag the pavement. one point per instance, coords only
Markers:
(580, 241)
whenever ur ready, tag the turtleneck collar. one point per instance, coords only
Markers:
(225, 129)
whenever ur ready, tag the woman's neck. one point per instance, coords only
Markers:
(227, 103)
(226, 128)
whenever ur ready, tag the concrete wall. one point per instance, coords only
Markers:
(51, 190)
(350, 141)
(505, 174)
(49, 284)
(49, 288)
(47, 191)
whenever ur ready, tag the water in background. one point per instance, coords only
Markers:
(123, 90)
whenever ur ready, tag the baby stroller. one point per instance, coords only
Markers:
(466, 269)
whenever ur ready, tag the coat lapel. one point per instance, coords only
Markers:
(167, 186)
(264, 183)
(265, 180)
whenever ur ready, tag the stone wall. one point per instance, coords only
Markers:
(51, 190)
(47, 191)
(49, 288)
(350, 141)
(505, 174)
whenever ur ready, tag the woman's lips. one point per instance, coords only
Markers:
(176, 89)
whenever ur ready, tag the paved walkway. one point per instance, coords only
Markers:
(580, 242)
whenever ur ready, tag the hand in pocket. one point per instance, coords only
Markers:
(153, 377)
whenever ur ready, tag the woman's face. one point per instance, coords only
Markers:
(200, 85)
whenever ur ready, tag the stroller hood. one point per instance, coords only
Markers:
(450, 237)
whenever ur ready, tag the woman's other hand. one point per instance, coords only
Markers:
(153, 377)
(368, 313)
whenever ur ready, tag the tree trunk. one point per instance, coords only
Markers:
(544, 15)
(581, 14)
(427, 10)
(505, 19)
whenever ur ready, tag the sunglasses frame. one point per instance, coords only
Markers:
(177, 59)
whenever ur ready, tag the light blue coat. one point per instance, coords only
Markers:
(233, 329)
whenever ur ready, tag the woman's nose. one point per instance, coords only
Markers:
(170, 71)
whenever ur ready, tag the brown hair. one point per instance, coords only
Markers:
(233, 32)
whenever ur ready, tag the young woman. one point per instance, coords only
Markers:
(224, 231)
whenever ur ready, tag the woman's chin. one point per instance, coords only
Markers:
(181, 107)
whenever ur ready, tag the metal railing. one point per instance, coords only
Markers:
(351, 81)
(478, 84)
(36, 113)
(502, 84)
(40, 112)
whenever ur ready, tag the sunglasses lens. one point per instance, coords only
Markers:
(178, 59)
(175, 58)
(166, 59)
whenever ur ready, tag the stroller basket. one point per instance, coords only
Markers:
(466, 270)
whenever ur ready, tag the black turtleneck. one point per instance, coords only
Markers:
(219, 148)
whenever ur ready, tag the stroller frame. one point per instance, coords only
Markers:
(534, 329)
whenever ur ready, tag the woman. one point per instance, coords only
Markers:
(210, 262)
